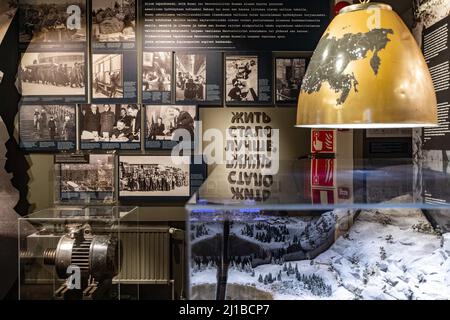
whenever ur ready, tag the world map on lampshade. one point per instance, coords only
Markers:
(333, 55)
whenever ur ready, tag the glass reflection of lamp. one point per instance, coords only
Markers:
(367, 72)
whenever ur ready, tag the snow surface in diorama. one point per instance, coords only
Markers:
(387, 254)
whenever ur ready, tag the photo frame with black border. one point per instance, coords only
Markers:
(53, 77)
(161, 124)
(145, 178)
(157, 76)
(86, 180)
(53, 51)
(248, 79)
(47, 128)
(289, 69)
(198, 78)
(110, 126)
(114, 62)
(53, 25)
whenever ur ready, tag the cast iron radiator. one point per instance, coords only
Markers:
(145, 256)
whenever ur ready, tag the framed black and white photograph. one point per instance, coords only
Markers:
(110, 126)
(166, 125)
(242, 78)
(198, 78)
(289, 74)
(113, 20)
(156, 77)
(190, 77)
(154, 176)
(60, 75)
(90, 182)
(248, 79)
(52, 21)
(107, 72)
(47, 127)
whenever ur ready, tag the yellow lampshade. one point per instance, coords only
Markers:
(367, 72)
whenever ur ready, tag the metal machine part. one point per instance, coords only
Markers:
(97, 256)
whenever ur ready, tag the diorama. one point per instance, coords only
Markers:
(385, 254)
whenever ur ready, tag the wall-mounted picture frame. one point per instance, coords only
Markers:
(110, 126)
(47, 128)
(159, 177)
(157, 76)
(86, 182)
(198, 78)
(248, 78)
(289, 71)
(167, 125)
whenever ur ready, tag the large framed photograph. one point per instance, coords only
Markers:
(52, 22)
(248, 79)
(91, 182)
(154, 176)
(157, 77)
(53, 77)
(159, 177)
(47, 127)
(164, 123)
(110, 126)
(289, 74)
(198, 78)
(113, 21)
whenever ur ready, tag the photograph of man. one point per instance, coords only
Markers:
(47, 123)
(121, 132)
(191, 77)
(107, 121)
(52, 128)
(157, 69)
(107, 71)
(134, 114)
(157, 129)
(241, 78)
(289, 76)
(69, 129)
(91, 119)
(163, 121)
(110, 123)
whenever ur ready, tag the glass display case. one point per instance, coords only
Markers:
(322, 229)
(78, 253)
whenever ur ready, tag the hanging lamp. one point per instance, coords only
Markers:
(367, 72)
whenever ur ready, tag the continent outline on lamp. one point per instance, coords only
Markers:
(339, 53)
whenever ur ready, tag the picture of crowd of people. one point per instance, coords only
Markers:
(157, 71)
(191, 77)
(47, 123)
(241, 78)
(52, 21)
(110, 123)
(107, 75)
(55, 73)
(150, 176)
(113, 20)
(163, 121)
(95, 176)
(289, 77)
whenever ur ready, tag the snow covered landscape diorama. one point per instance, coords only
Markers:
(385, 254)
